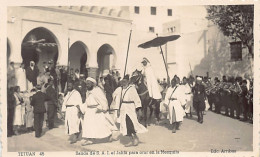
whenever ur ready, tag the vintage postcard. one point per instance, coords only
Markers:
(130, 78)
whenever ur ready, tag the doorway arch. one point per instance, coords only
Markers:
(105, 58)
(78, 57)
(41, 46)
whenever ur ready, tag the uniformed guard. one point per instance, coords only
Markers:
(199, 98)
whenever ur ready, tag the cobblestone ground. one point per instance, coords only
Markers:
(217, 132)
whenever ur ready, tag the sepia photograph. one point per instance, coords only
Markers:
(130, 80)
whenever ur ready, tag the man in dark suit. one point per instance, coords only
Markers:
(52, 103)
(32, 73)
(39, 109)
(199, 98)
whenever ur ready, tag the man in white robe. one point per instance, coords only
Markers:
(152, 85)
(97, 122)
(174, 99)
(21, 78)
(127, 105)
(72, 118)
(187, 91)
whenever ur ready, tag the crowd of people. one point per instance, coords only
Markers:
(91, 108)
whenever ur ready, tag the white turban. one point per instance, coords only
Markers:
(199, 78)
(91, 80)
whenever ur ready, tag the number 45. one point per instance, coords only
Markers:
(41, 153)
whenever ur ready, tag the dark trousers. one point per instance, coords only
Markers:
(62, 84)
(157, 108)
(10, 119)
(129, 126)
(38, 122)
(51, 115)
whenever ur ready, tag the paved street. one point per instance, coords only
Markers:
(217, 132)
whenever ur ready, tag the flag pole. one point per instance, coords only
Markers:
(127, 52)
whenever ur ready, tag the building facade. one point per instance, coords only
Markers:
(79, 37)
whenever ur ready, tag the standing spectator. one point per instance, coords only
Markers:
(38, 100)
(32, 73)
(57, 70)
(243, 101)
(63, 78)
(52, 103)
(11, 75)
(19, 112)
(21, 77)
(29, 110)
(109, 91)
(80, 86)
(10, 111)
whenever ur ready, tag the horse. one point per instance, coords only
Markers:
(138, 80)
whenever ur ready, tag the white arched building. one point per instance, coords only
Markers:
(77, 36)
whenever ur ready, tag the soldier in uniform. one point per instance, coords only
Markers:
(199, 99)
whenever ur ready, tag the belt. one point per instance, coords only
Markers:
(128, 102)
(172, 99)
(69, 106)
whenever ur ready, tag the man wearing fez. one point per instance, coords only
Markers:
(38, 100)
(174, 100)
(152, 85)
(52, 103)
(72, 113)
(126, 106)
(199, 99)
(32, 73)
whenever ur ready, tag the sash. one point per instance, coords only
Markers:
(121, 101)
(172, 93)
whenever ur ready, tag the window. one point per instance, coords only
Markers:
(169, 12)
(151, 29)
(137, 9)
(153, 10)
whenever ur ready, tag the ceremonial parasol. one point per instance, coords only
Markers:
(158, 42)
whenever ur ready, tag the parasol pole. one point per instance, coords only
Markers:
(126, 59)
(118, 112)
(168, 78)
(190, 69)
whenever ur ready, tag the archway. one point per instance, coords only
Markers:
(105, 59)
(41, 46)
(78, 57)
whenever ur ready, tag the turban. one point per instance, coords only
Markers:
(91, 80)
(199, 78)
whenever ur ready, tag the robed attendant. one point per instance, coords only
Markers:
(174, 99)
(72, 113)
(97, 123)
(130, 101)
